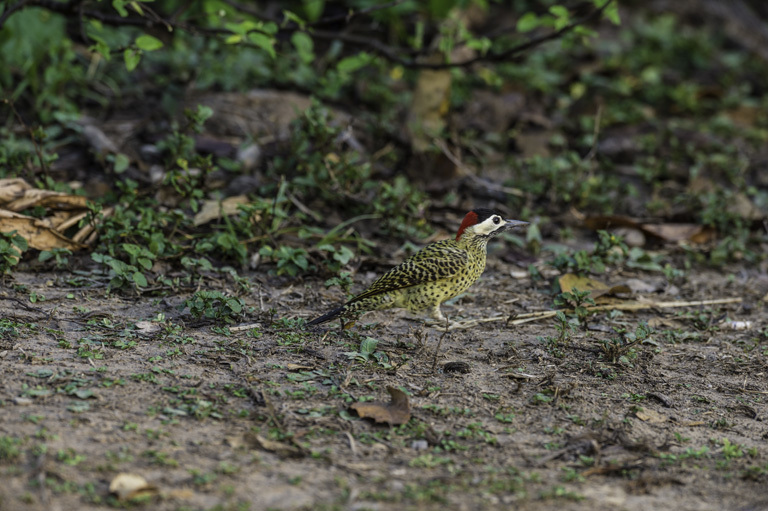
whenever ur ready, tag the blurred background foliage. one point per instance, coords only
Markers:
(380, 116)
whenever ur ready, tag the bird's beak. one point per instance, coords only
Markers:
(512, 224)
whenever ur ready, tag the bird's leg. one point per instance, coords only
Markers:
(440, 322)
(437, 349)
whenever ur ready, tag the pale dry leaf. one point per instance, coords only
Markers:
(652, 416)
(396, 412)
(12, 188)
(279, 448)
(215, 209)
(147, 327)
(128, 486)
(38, 235)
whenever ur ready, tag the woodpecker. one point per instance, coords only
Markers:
(434, 274)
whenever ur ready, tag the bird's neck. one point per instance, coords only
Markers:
(473, 243)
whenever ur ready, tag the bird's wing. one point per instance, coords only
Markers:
(438, 260)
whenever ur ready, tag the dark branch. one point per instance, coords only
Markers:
(390, 54)
(396, 55)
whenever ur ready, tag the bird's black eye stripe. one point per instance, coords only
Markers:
(496, 220)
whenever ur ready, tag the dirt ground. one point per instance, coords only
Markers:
(96, 385)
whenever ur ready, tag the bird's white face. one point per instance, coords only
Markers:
(489, 226)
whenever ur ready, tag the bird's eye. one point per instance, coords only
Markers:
(496, 220)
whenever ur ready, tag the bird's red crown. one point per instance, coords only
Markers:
(469, 220)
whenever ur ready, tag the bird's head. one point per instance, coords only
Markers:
(486, 223)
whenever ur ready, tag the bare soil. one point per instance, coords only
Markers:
(501, 418)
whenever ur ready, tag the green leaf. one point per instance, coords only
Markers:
(119, 6)
(559, 11)
(612, 13)
(353, 63)
(368, 346)
(304, 46)
(440, 8)
(121, 163)
(313, 9)
(269, 28)
(79, 407)
(235, 305)
(344, 255)
(233, 39)
(147, 42)
(132, 58)
(203, 113)
(290, 16)
(137, 7)
(528, 22)
(140, 279)
(101, 48)
(82, 393)
(264, 42)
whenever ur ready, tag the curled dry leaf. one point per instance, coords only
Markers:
(396, 412)
(215, 209)
(571, 281)
(128, 486)
(12, 188)
(669, 232)
(652, 416)
(62, 212)
(38, 235)
(278, 448)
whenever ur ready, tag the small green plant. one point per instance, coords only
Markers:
(609, 249)
(564, 327)
(216, 305)
(368, 353)
(9, 448)
(623, 350)
(289, 260)
(69, 457)
(12, 245)
(123, 275)
(579, 300)
(343, 280)
(59, 255)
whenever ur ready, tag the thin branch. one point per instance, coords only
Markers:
(354, 14)
(395, 55)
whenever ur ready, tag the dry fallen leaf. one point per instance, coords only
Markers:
(396, 412)
(12, 189)
(148, 327)
(62, 211)
(571, 281)
(38, 235)
(652, 416)
(128, 486)
(279, 448)
(680, 232)
(215, 209)
(298, 367)
(672, 233)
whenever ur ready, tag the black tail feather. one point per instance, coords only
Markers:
(335, 313)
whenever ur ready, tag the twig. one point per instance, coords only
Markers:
(390, 54)
(626, 306)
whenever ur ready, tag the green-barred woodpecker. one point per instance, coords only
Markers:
(434, 274)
